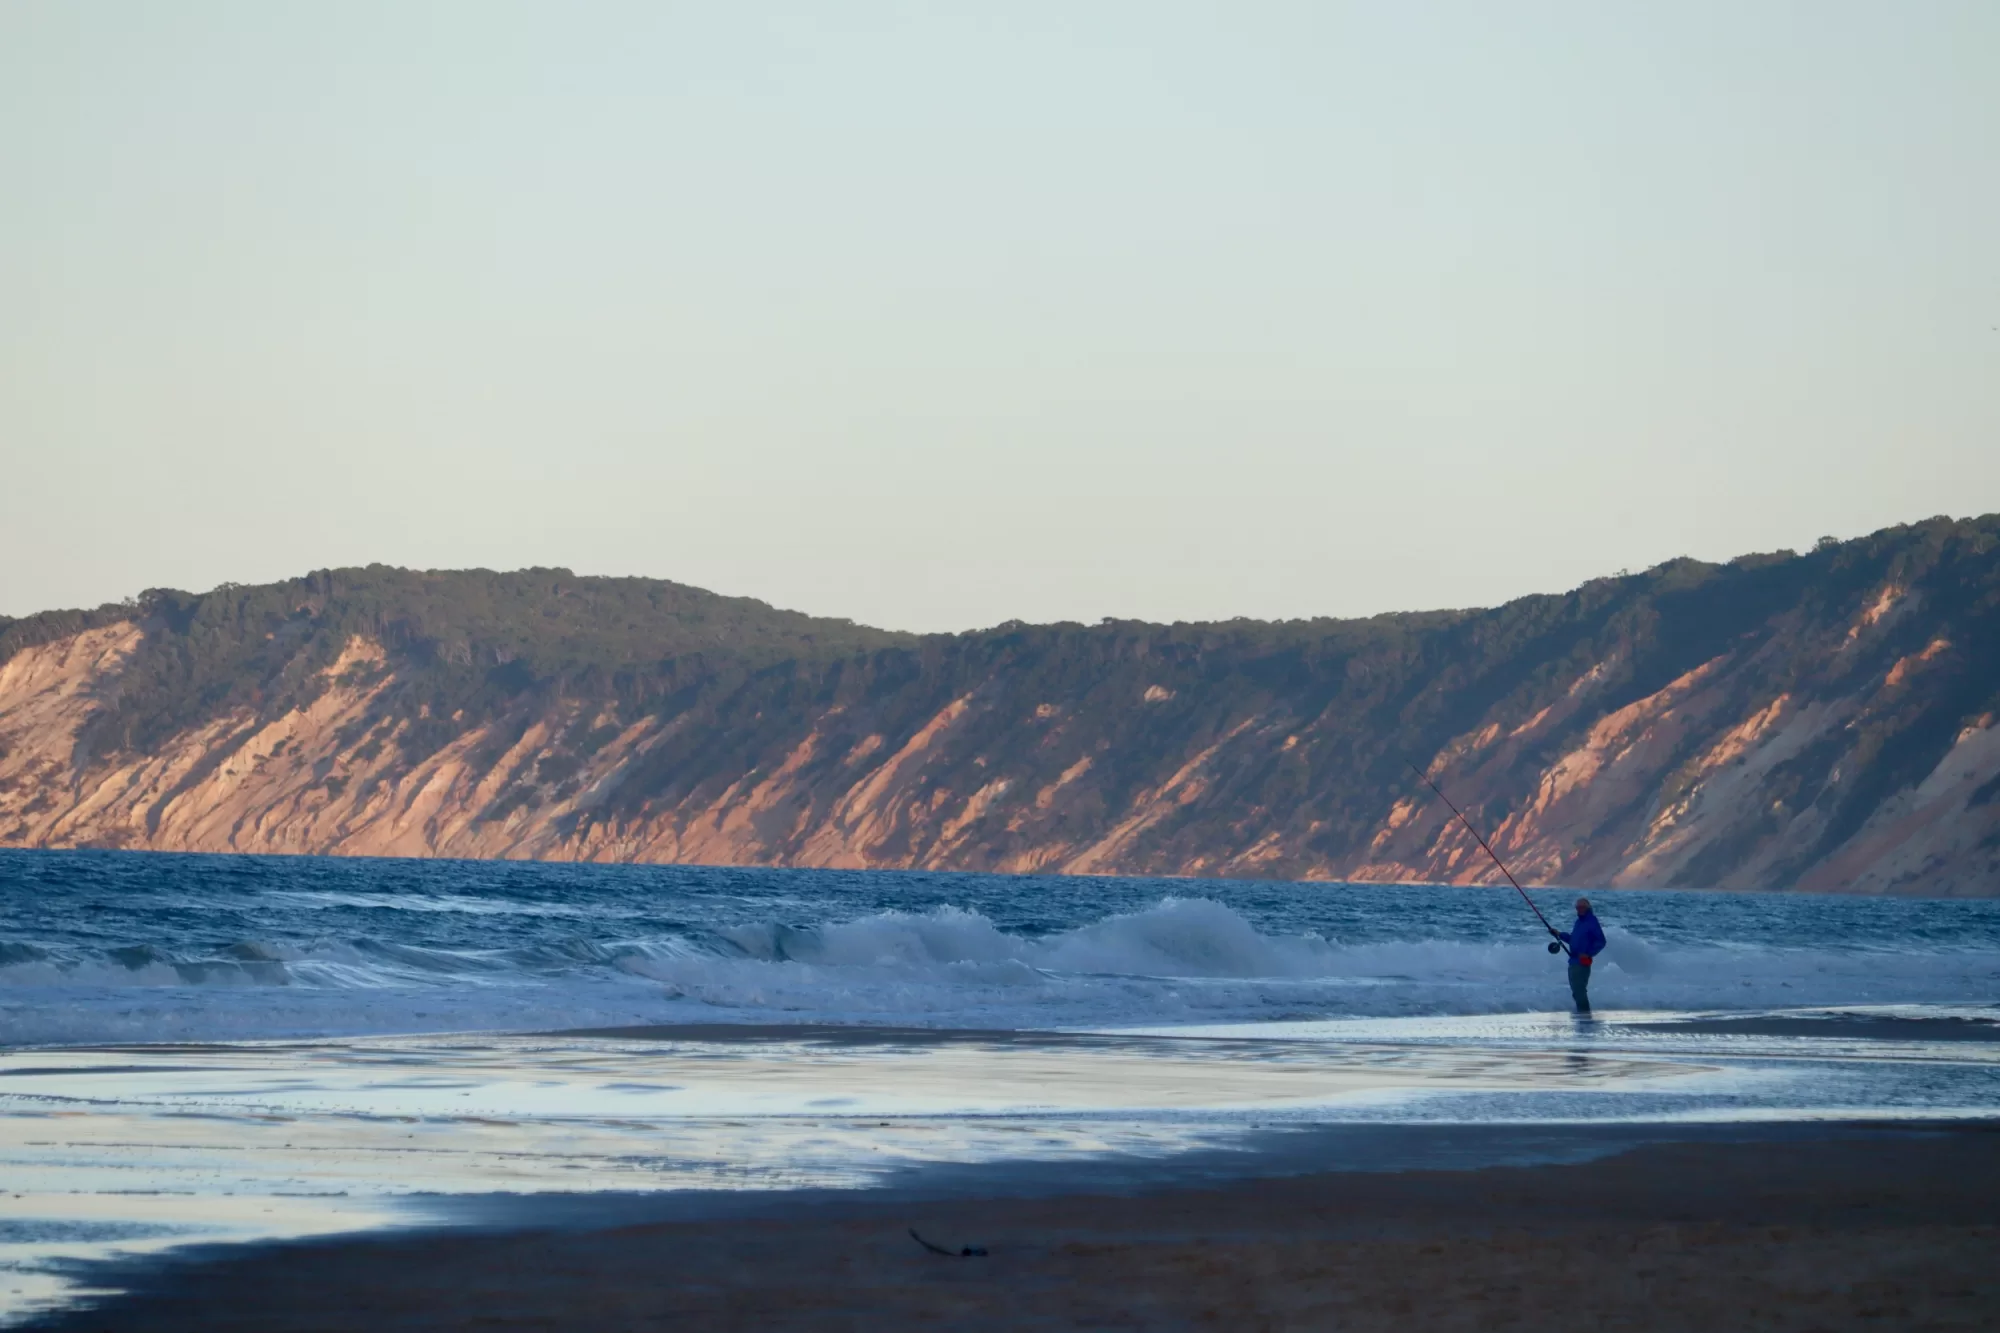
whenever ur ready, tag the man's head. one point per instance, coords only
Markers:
(1583, 906)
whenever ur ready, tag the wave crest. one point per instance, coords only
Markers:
(1177, 960)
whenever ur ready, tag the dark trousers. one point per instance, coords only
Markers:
(1579, 985)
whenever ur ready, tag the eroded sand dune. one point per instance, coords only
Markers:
(1831, 729)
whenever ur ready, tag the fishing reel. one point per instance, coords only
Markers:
(1555, 946)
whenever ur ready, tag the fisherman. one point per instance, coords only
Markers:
(1585, 942)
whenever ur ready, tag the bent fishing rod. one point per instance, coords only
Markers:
(1558, 942)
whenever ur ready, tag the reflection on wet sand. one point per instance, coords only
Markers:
(117, 1151)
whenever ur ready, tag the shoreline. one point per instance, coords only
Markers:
(1828, 1022)
(1801, 1225)
(820, 1133)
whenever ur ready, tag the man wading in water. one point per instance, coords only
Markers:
(1585, 943)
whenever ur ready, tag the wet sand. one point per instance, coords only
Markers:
(1890, 1228)
(1835, 1027)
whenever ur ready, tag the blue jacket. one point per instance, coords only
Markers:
(1587, 940)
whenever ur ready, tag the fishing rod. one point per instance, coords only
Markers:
(1557, 944)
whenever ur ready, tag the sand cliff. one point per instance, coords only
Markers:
(1731, 772)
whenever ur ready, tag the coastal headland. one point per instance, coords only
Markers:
(1819, 721)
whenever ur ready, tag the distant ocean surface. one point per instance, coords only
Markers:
(117, 947)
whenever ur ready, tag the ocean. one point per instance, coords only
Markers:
(201, 1049)
(111, 946)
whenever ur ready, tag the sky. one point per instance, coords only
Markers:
(935, 315)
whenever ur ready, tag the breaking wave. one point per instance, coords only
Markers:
(1179, 959)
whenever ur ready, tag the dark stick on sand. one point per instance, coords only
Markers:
(968, 1252)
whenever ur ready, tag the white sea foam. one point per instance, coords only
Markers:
(1182, 960)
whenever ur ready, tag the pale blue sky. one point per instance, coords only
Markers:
(936, 316)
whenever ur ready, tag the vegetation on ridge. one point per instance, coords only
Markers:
(464, 641)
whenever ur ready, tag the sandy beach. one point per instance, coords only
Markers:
(1648, 1171)
(1889, 1227)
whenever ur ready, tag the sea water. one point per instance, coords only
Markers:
(210, 1048)
(110, 946)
